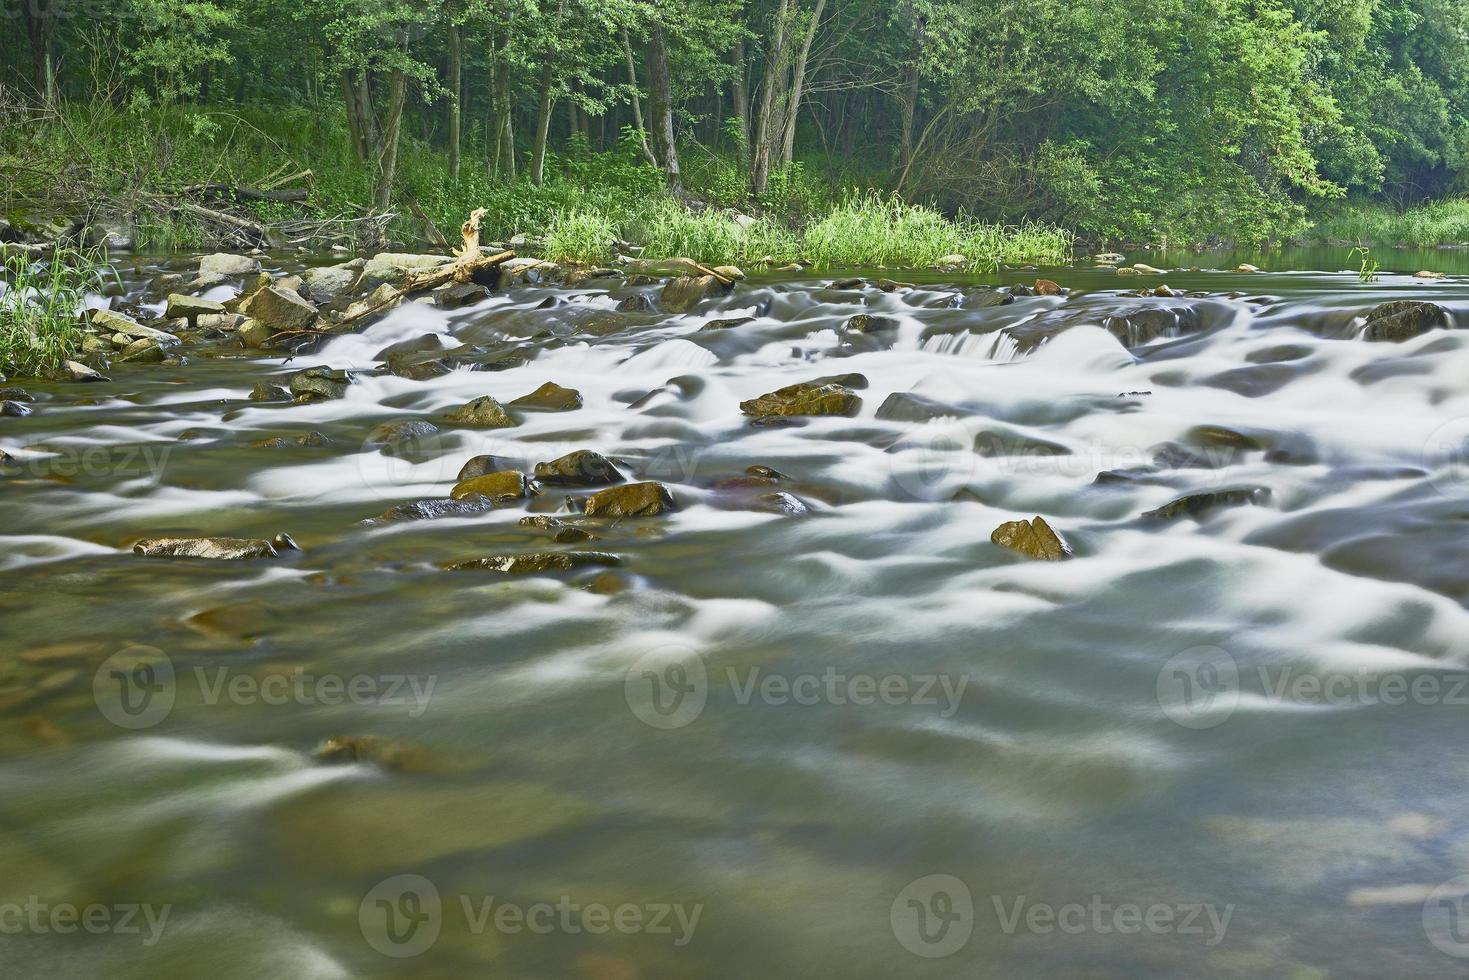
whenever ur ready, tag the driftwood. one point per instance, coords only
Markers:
(467, 265)
(237, 194)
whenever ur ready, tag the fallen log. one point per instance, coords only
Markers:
(238, 194)
(679, 266)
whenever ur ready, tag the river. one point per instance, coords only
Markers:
(813, 724)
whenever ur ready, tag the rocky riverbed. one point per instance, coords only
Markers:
(788, 611)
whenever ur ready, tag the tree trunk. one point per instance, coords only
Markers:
(772, 93)
(366, 112)
(798, 84)
(543, 127)
(637, 102)
(456, 103)
(739, 85)
(387, 158)
(908, 98)
(354, 119)
(660, 104)
(40, 21)
(504, 119)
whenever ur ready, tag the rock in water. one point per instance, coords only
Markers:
(225, 264)
(686, 292)
(529, 564)
(400, 438)
(504, 485)
(1033, 538)
(320, 383)
(219, 549)
(484, 412)
(76, 371)
(804, 398)
(1404, 319)
(458, 294)
(436, 507)
(265, 392)
(327, 282)
(281, 310)
(191, 307)
(869, 323)
(582, 468)
(1199, 505)
(1045, 287)
(549, 397)
(631, 500)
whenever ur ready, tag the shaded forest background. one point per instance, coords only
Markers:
(1125, 120)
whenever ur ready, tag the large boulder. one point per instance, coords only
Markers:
(582, 468)
(282, 310)
(325, 283)
(1033, 538)
(114, 322)
(503, 485)
(549, 397)
(226, 264)
(1404, 319)
(218, 549)
(484, 413)
(804, 398)
(394, 267)
(192, 307)
(686, 292)
(320, 384)
(631, 500)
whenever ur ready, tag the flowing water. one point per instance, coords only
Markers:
(858, 741)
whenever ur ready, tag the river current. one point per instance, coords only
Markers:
(814, 723)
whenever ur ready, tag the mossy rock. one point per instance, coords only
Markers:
(582, 468)
(483, 412)
(1404, 319)
(503, 485)
(549, 397)
(805, 398)
(631, 500)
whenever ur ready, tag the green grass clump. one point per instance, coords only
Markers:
(874, 231)
(1439, 223)
(40, 306)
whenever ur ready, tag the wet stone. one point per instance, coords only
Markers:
(459, 294)
(804, 399)
(483, 412)
(1200, 505)
(502, 485)
(536, 562)
(869, 323)
(1403, 320)
(434, 508)
(320, 383)
(218, 549)
(727, 323)
(480, 465)
(1034, 538)
(582, 468)
(265, 392)
(631, 500)
(549, 397)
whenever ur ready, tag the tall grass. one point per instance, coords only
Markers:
(1438, 223)
(864, 232)
(40, 300)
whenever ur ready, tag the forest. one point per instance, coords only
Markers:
(1182, 121)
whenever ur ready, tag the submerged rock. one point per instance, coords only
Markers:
(804, 398)
(219, 549)
(869, 323)
(582, 468)
(1033, 538)
(502, 485)
(483, 412)
(308, 440)
(529, 564)
(726, 323)
(1403, 320)
(549, 397)
(631, 500)
(1199, 505)
(394, 438)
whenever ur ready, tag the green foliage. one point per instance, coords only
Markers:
(1440, 223)
(1369, 267)
(40, 305)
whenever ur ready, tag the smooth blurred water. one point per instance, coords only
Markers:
(862, 742)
